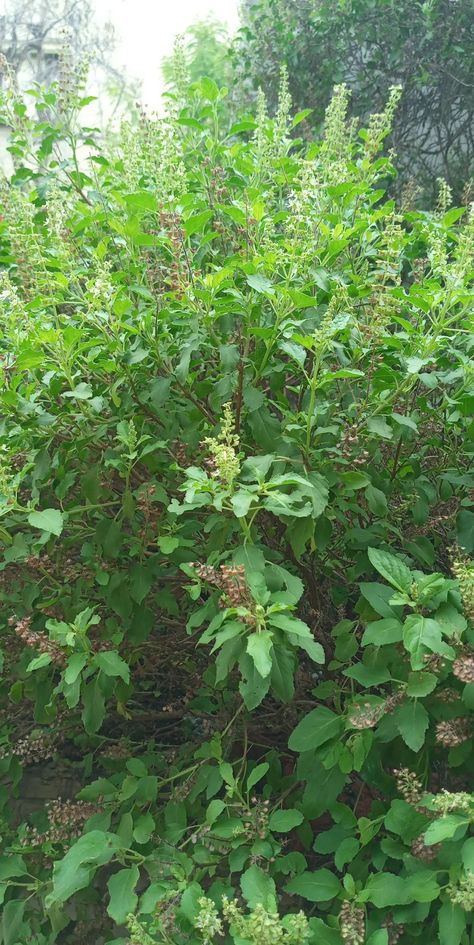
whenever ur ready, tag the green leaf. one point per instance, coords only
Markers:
(346, 852)
(144, 828)
(111, 664)
(123, 898)
(419, 635)
(81, 392)
(376, 500)
(467, 854)
(258, 888)
(74, 668)
(445, 828)
(421, 684)
(354, 480)
(241, 502)
(385, 889)
(197, 222)
(379, 937)
(382, 632)
(283, 667)
(316, 728)
(380, 427)
(259, 647)
(38, 662)
(167, 544)
(78, 866)
(257, 774)
(260, 284)
(282, 821)
(93, 713)
(253, 687)
(290, 624)
(465, 530)
(391, 568)
(451, 923)
(322, 934)
(12, 922)
(378, 596)
(422, 886)
(412, 721)
(49, 520)
(319, 886)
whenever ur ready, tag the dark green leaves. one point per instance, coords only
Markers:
(78, 866)
(316, 728)
(315, 887)
(391, 568)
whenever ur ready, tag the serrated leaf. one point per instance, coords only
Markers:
(412, 721)
(259, 647)
(419, 635)
(391, 568)
(258, 888)
(111, 664)
(260, 283)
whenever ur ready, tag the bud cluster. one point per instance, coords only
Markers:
(352, 924)
(350, 440)
(448, 802)
(208, 921)
(408, 785)
(171, 222)
(424, 852)
(366, 715)
(117, 751)
(454, 732)
(138, 934)
(66, 820)
(230, 579)
(463, 569)
(462, 892)
(223, 462)
(395, 930)
(33, 748)
(265, 928)
(256, 819)
(463, 666)
(38, 640)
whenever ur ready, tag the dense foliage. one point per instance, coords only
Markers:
(237, 507)
(426, 47)
(203, 50)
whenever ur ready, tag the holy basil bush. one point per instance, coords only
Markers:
(237, 498)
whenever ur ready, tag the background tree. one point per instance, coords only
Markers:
(204, 52)
(427, 48)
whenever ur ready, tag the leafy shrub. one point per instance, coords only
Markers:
(427, 48)
(237, 509)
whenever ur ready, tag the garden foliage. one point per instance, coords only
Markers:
(237, 503)
(427, 47)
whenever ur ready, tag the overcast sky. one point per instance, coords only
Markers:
(145, 32)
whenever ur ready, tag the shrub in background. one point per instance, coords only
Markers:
(237, 513)
(427, 48)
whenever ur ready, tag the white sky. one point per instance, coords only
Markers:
(145, 31)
